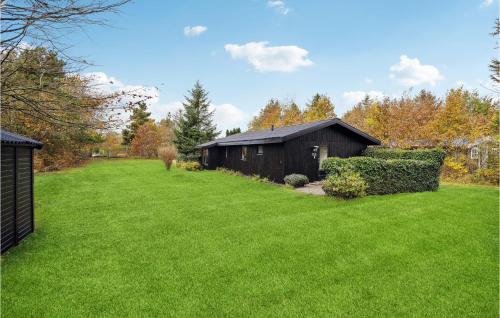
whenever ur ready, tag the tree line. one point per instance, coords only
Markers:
(279, 114)
(424, 120)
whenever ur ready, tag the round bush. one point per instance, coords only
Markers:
(346, 185)
(296, 180)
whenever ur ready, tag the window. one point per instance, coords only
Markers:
(204, 157)
(244, 153)
(260, 150)
(227, 152)
(474, 153)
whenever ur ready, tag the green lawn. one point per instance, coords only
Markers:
(128, 238)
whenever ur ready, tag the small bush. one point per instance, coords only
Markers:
(167, 154)
(296, 180)
(388, 176)
(189, 165)
(256, 177)
(455, 167)
(347, 185)
(229, 171)
(436, 155)
(485, 176)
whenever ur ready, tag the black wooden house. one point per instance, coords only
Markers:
(275, 153)
(17, 219)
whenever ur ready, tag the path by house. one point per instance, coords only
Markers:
(312, 188)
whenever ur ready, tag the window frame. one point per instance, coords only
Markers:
(204, 157)
(474, 153)
(260, 150)
(244, 153)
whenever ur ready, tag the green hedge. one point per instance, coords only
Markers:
(388, 176)
(436, 155)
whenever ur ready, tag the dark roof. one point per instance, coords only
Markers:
(8, 138)
(282, 134)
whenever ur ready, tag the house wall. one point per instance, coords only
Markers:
(340, 142)
(270, 164)
(16, 195)
(213, 158)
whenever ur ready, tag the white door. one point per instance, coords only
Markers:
(323, 154)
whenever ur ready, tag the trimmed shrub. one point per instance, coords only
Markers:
(335, 165)
(436, 155)
(389, 176)
(296, 180)
(189, 165)
(347, 185)
(167, 154)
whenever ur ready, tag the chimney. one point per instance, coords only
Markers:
(272, 127)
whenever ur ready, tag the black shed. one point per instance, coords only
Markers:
(17, 219)
(275, 153)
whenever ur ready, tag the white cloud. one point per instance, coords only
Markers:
(101, 82)
(354, 97)
(270, 58)
(228, 116)
(410, 72)
(279, 6)
(368, 80)
(159, 111)
(486, 3)
(194, 31)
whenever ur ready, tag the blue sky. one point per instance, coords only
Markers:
(248, 51)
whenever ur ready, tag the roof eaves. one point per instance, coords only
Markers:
(273, 140)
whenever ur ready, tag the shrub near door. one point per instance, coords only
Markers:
(389, 176)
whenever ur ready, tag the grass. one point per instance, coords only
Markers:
(127, 238)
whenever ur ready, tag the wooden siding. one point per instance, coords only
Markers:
(213, 158)
(8, 218)
(17, 195)
(340, 142)
(269, 164)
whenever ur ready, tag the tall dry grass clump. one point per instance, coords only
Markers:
(167, 154)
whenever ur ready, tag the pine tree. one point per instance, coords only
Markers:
(138, 118)
(320, 107)
(196, 125)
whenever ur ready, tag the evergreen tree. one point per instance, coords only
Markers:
(196, 125)
(321, 107)
(233, 131)
(138, 118)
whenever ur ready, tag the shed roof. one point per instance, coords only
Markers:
(9, 138)
(282, 134)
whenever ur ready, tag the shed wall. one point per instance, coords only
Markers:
(16, 195)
